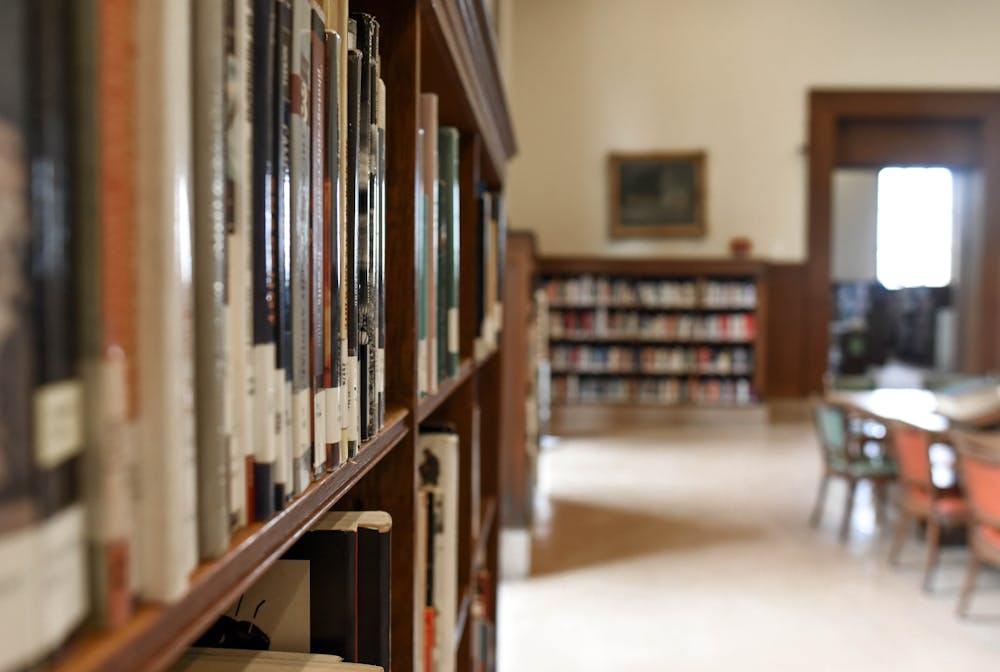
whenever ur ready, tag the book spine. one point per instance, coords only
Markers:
(333, 211)
(239, 269)
(420, 266)
(283, 249)
(351, 253)
(380, 276)
(300, 97)
(166, 486)
(482, 256)
(374, 579)
(500, 215)
(265, 315)
(210, 307)
(429, 121)
(448, 251)
(363, 249)
(320, 240)
(57, 403)
(18, 510)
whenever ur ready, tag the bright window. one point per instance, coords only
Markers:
(914, 227)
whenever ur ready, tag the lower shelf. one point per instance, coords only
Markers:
(157, 634)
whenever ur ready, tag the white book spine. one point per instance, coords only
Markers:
(20, 643)
(166, 470)
(333, 426)
(282, 430)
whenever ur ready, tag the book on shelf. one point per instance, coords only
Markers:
(321, 242)
(165, 492)
(238, 196)
(209, 277)
(201, 659)
(328, 594)
(300, 171)
(334, 227)
(428, 119)
(282, 252)
(437, 552)
(449, 224)
(489, 263)
(351, 275)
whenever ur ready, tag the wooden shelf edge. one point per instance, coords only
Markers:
(430, 403)
(157, 634)
(704, 405)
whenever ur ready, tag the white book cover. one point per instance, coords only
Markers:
(239, 260)
(167, 531)
(439, 457)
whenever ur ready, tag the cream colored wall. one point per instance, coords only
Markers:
(728, 76)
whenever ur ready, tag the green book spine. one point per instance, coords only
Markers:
(448, 250)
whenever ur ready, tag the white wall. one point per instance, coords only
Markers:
(728, 76)
(855, 224)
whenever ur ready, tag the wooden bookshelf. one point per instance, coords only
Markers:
(682, 332)
(441, 46)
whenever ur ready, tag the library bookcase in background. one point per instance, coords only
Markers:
(656, 332)
(446, 47)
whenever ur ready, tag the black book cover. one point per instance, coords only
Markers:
(333, 590)
(282, 246)
(333, 207)
(353, 138)
(57, 429)
(374, 609)
(265, 317)
(366, 295)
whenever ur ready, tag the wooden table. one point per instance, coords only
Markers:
(915, 408)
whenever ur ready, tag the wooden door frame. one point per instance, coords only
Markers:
(829, 109)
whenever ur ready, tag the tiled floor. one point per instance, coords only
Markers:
(687, 549)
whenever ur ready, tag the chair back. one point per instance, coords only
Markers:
(981, 480)
(831, 427)
(911, 448)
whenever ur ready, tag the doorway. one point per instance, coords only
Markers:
(870, 130)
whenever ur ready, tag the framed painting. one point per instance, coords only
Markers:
(657, 194)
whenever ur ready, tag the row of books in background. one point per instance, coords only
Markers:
(652, 360)
(591, 290)
(192, 287)
(579, 388)
(438, 246)
(634, 325)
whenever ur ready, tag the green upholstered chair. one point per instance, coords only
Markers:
(847, 455)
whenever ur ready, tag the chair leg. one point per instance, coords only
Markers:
(881, 500)
(969, 586)
(902, 525)
(845, 524)
(817, 512)
(933, 540)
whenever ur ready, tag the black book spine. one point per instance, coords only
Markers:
(265, 315)
(320, 243)
(482, 255)
(366, 312)
(333, 214)
(282, 247)
(351, 279)
(380, 276)
(17, 508)
(333, 591)
(374, 597)
(500, 214)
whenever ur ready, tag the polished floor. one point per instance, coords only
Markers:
(687, 549)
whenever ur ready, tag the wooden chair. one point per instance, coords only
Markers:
(921, 499)
(981, 482)
(844, 457)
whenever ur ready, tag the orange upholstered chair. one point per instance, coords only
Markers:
(920, 498)
(981, 480)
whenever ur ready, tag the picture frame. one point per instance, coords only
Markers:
(657, 194)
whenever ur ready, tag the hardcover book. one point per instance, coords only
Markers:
(448, 252)
(210, 296)
(333, 207)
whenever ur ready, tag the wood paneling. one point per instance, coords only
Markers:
(879, 142)
(784, 288)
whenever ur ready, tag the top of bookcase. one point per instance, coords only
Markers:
(650, 266)
(459, 62)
